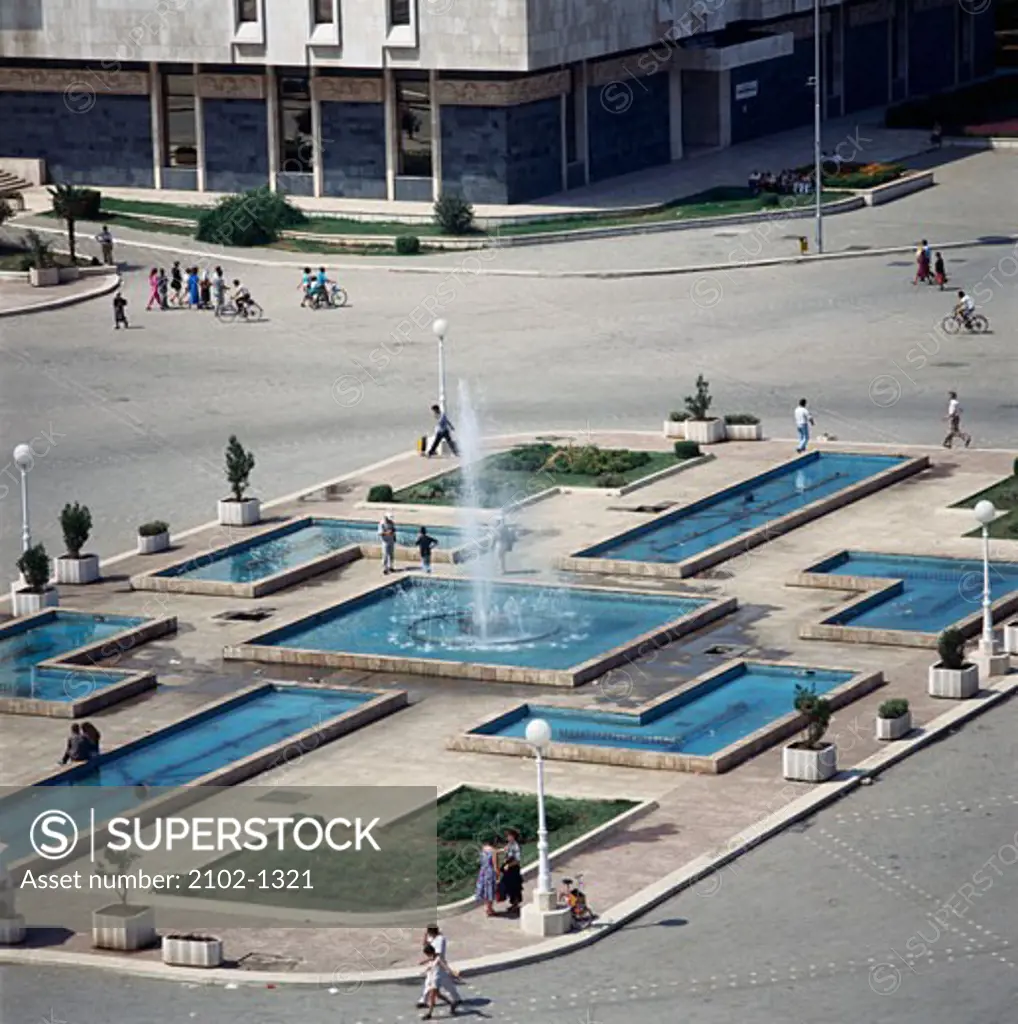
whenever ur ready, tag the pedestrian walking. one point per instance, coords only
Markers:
(193, 297)
(443, 432)
(437, 977)
(387, 535)
(803, 421)
(939, 273)
(936, 135)
(953, 418)
(425, 543)
(437, 941)
(219, 289)
(922, 259)
(163, 284)
(205, 290)
(105, 240)
(153, 288)
(119, 312)
(176, 283)
(502, 541)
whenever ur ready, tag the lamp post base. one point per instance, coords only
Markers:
(544, 917)
(991, 662)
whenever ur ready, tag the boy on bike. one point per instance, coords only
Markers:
(319, 290)
(964, 308)
(241, 297)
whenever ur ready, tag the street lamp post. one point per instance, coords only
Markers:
(439, 327)
(985, 514)
(818, 186)
(538, 736)
(23, 459)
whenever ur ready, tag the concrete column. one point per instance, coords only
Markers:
(582, 127)
(155, 92)
(675, 108)
(272, 113)
(199, 129)
(724, 109)
(391, 156)
(436, 135)
(316, 133)
(564, 100)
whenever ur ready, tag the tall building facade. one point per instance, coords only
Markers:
(502, 101)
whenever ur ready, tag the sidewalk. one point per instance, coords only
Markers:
(18, 297)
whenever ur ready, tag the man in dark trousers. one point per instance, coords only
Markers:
(443, 432)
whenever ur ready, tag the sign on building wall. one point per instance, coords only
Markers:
(746, 90)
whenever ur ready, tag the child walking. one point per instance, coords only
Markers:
(119, 316)
(437, 977)
(425, 543)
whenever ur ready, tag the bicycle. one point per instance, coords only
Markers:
(571, 895)
(331, 299)
(976, 323)
(229, 311)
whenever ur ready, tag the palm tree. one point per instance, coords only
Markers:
(70, 204)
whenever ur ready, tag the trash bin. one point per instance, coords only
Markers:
(422, 445)
(803, 245)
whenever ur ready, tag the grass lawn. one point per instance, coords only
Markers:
(411, 866)
(529, 469)
(1004, 495)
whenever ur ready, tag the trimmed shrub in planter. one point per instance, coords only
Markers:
(380, 493)
(192, 950)
(894, 719)
(408, 245)
(953, 677)
(238, 510)
(153, 537)
(686, 450)
(454, 215)
(675, 425)
(743, 426)
(35, 593)
(74, 567)
(700, 427)
(811, 759)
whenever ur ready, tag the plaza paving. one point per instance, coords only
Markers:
(696, 815)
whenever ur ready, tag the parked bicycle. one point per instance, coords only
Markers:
(250, 311)
(571, 895)
(976, 323)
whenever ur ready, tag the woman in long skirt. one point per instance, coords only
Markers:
(510, 883)
(487, 879)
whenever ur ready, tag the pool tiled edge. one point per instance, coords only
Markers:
(724, 760)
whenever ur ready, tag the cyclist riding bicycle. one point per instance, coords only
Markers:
(241, 297)
(320, 287)
(964, 308)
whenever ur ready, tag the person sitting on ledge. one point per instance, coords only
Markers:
(79, 746)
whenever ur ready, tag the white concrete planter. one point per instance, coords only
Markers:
(953, 683)
(25, 602)
(12, 930)
(76, 570)
(1011, 637)
(247, 512)
(802, 765)
(675, 429)
(744, 431)
(894, 728)
(705, 431)
(123, 927)
(43, 277)
(180, 951)
(153, 544)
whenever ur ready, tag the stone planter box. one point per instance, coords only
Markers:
(43, 277)
(247, 512)
(894, 728)
(953, 683)
(154, 543)
(26, 602)
(70, 274)
(123, 927)
(705, 431)
(192, 951)
(744, 431)
(76, 571)
(800, 764)
(1011, 637)
(675, 429)
(12, 930)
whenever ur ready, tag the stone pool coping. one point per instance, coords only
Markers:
(724, 760)
(380, 706)
(156, 580)
(577, 675)
(875, 590)
(84, 661)
(774, 528)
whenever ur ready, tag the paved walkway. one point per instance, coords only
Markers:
(20, 297)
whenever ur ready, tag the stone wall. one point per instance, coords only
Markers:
(353, 149)
(236, 145)
(783, 99)
(931, 49)
(534, 150)
(108, 144)
(474, 149)
(866, 65)
(632, 135)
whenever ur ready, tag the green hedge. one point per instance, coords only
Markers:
(257, 217)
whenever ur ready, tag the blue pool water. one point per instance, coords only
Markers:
(748, 505)
(934, 593)
(172, 757)
(532, 626)
(294, 545)
(700, 722)
(24, 645)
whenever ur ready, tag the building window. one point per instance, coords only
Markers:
(296, 142)
(399, 13)
(413, 104)
(180, 133)
(247, 10)
(323, 12)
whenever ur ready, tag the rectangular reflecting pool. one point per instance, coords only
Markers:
(687, 540)
(557, 635)
(285, 555)
(710, 724)
(917, 594)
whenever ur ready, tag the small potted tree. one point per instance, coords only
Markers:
(811, 759)
(153, 537)
(74, 567)
(192, 950)
(238, 510)
(33, 592)
(953, 677)
(675, 425)
(700, 427)
(122, 925)
(894, 719)
(743, 426)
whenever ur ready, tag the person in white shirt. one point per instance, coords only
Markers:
(387, 535)
(953, 418)
(964, 307)
(803, 421)
(436, 940)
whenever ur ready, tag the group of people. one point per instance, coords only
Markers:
(502, 540)
(929, 268)
(82, 743)
(315, 288)
(500, 877)
(192, 288)
(784, 183)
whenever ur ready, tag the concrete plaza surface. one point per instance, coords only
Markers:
(695, 815)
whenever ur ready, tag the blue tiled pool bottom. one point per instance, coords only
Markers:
(294, 545)
(934, 592)
(553, 627)
(747, 506)
(701, 722)
(24, 645)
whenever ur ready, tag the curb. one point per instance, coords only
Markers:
(67, 300)
(621, 914)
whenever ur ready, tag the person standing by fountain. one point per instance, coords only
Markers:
(443, 432)
(502, 542)
(387, 534)
(425, 542)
